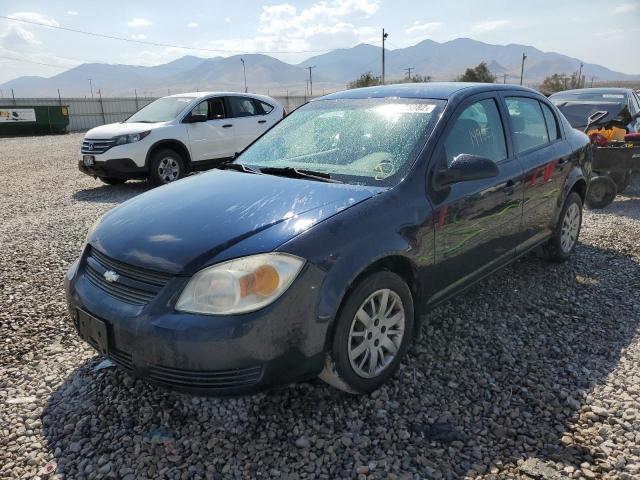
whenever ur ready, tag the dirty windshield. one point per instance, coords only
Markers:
(162, 110)
(359, 141)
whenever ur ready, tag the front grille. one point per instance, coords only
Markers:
(133, 285)
(121, 358)
(207, 379)
(96, 146)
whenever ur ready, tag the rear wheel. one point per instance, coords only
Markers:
(565, 237)
(112, 181)
(621, 179)
(371, 335)
(602, 191)
(166, 166)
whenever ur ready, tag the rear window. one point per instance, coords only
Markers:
(590, 96)
(266, 108)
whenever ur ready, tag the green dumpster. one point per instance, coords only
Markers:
(33, 120)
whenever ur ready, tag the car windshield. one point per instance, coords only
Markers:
(161, 110)
(358, 141)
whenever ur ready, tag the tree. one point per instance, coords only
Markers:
(415, 79)
(366, 80)
(559, 81)
(481, 74)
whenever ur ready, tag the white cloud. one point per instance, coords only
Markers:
(34, 17)
(228, 19)
(138, 36)
(625, 8)
(139, 23)
(72, 12)
(419, 27)
(490, 25)
(192, 25)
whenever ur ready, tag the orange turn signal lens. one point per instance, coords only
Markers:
(263, 282)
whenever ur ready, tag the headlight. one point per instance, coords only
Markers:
(131, 138)
(240, 285)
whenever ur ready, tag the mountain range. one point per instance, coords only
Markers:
(440, 61)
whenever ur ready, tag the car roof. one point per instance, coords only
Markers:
(211, 94)
(595, 90)
(433, 90)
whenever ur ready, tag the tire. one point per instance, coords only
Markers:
(351, 372)
(166, 166)
(565, 236)
(112, 181)
(602, 191)
(621, 179)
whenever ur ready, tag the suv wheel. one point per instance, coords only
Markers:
(112, 181)
(565, 237)
(166, 166)
(371, 335)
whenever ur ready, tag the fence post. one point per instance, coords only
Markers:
(59, 98)
(137, 106)
(104, 120)
(14, 97)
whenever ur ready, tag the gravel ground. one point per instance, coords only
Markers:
(531, 374)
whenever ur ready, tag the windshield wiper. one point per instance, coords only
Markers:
(299, 173)
(229, 165)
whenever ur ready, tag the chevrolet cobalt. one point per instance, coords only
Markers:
(322, 247)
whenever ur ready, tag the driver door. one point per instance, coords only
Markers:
(478, 223)
(213, 139)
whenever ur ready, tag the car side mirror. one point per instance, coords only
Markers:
(196, 118)
(467, 167)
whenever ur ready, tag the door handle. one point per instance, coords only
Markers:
(509, 188)
(227, 125)
(262, 121)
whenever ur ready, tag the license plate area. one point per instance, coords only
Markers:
(93, 331)
(88, 160)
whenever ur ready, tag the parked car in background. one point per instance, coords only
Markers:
(610, 117)
(319, 250)
(177, 134)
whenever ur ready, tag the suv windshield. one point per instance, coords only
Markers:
(359, 141)
(161, 110)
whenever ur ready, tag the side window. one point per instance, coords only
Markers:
(477, 131)
(266, 108)
(552, 123)
(242, 107)
(201, 109)
(216, 109)
(527, 122)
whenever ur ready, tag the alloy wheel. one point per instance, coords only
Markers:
(376, 333)
(168, 169)
(570, 228)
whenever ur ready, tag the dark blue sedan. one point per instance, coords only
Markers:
(321, 249)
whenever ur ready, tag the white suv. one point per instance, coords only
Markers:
(177, 134)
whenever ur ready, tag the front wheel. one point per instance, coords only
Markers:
(166, 166)
(371, 334)
(565, 236)
(602, 191)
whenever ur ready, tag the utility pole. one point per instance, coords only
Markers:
(592, 78)
(244, 73)
(580, 76)
(504, 78)
(310, 81)
(524, 57)
(384, 37)
(91, 87)
(408, 70)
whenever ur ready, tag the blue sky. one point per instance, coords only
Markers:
(305, 28)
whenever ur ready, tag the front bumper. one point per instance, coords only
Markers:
(205, 354)
(124, 168)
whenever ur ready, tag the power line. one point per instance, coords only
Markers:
(155, 44)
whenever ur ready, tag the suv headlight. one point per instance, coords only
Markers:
(131, 138)
(241, 285)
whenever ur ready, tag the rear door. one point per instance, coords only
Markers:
(478, 222)
(544, 155)
(212, 139)
(248, 118)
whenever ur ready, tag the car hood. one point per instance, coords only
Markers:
(114, 129)
(181, 227)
